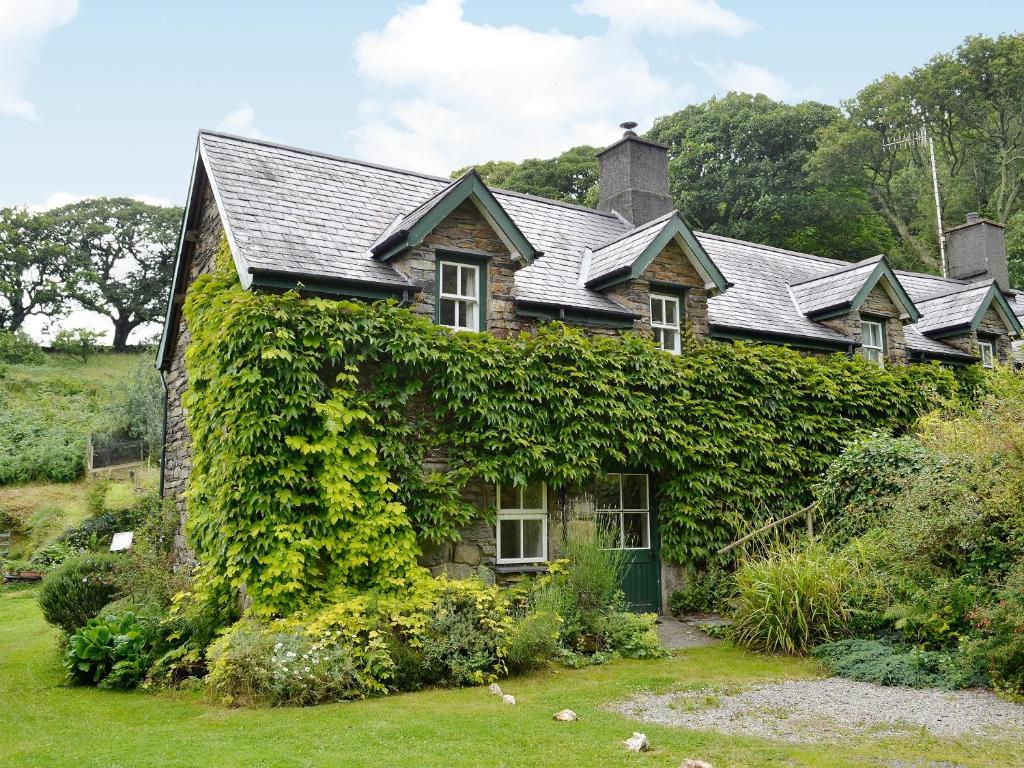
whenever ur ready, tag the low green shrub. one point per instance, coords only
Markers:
(534, 640)
(885, 663)
(256, 667)
(36, 447)
(146, 573)
(790, 600)
(632, 635)
(18, 348)
(703, 592)
(111, 651)
(49, 557)
(76, 590)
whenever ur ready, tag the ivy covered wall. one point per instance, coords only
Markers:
(311, 420)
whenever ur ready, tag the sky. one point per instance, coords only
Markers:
(104, 97)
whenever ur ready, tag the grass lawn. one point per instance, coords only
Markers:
(45, 724)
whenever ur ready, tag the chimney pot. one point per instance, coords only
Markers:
(972, 217)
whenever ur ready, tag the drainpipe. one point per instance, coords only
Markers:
(163, 436)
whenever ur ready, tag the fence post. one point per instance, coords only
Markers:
(810, 521)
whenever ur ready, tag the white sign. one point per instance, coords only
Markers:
(121, 541)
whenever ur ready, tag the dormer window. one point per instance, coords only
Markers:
(872, 338)
(458, 296)
(665, 317)
(987, 352)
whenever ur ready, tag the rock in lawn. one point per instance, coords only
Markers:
(507, 699)
(637, 743)
(695, 764)
(494, 688)
(566, 716)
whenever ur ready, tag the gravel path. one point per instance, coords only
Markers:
(685, 632)
(828, 710)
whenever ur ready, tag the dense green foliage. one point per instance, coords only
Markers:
(110, 652)
(705, 591)
(307, 472)
(76, 590)
(19, 348)
(37, 271)
(572, 176)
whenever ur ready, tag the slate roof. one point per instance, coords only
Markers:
(620, 252)
(953, 309)
(834, 289)
(294, 211)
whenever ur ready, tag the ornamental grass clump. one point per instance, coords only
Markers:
(790, 600)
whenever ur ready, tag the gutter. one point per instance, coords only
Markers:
(732, 333)
(314, 279)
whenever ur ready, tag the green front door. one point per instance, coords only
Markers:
(627, 516)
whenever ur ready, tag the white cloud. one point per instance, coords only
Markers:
(24, 25)
(749, 78)
(241, 122)
(668, 17)
(452, 92)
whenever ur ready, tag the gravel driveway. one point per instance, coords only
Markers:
(828, 710)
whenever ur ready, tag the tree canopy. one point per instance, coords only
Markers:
(125, 249)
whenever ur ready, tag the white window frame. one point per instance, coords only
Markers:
(987, 361)
(663, 326)
(622, 511)
(519, 514)
(869, 349)
(473, 300)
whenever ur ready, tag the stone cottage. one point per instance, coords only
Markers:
(477, 259)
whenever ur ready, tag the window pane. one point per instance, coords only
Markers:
(634, 491)
(464, 317)
(668, 340)
(510, 539)
(449, 278)
(447, 312)
(608, 529)
(607, 491)
(658, 338)
(634, 526)
(533, 538)
(533, 496)
(657, 311)
(670, 313)
(509, 497)
(468, 283)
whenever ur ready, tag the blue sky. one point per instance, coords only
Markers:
(104, 98)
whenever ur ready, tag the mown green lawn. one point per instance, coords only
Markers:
(45, 724)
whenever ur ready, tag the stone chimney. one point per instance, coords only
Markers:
(976, 250)
(634, 178)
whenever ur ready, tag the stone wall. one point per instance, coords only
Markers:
(877, 306)
(670, 266)
(178, 444)
(991, 328)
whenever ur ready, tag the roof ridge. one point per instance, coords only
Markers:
(394, 169)
(634, 230)
(841, 270)
(324, 155)
(962, 288)
(801, 254)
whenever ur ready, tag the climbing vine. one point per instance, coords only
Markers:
(315, 424)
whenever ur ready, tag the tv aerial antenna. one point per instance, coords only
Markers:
(920, 136)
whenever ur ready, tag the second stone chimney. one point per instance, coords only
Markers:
(976, 250)
(634, 178)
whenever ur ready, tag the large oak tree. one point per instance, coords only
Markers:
(126, 248)
(37, 273)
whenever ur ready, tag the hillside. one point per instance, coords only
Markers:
(47, 410)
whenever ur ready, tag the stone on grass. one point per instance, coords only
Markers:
(508, 699)
(565, 716)
(494, 689)
(637, 743)
(691, 763)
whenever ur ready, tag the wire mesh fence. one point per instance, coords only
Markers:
(105, 451)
